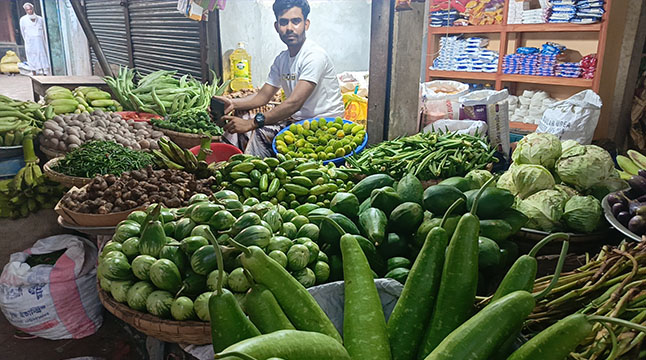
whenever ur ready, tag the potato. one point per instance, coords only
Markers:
(62, 146)
(73, 139)
(144, 144)
(48, 133)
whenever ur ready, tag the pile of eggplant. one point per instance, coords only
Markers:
(629, 206)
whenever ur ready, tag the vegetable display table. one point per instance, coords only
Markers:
(40, 84)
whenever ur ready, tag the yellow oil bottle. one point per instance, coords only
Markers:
(240, 67)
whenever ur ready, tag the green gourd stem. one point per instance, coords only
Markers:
(219, 260)
(615, 321)
(557, 272)
(450, 210)
(239, 246)
(545, 241)
(613, 338)
(474, 208)
(242, 356)
(151, 217)
(248, 276)
(205, 146)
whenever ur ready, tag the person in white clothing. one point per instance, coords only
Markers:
(305, 73)
(32, 28)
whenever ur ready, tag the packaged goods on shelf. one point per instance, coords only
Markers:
(568, 69)
(588, 66)
(577, 11)
(444, 17)
(485, 12)
(536, 16)
(532, 61)
(515, 12)
(465, 54)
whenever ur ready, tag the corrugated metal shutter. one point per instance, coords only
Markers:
(108, 21)
(163, 39)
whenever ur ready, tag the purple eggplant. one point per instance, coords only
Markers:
(617, 208)
(616, 198)
(638, 185)
(637, 224)
(642, 173)
(641, 198)
(636, 208)
(623, 218)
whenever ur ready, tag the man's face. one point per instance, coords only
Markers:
(29, 10)
(291, 26)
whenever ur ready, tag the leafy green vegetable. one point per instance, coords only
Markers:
(195, 121)
(102, 158)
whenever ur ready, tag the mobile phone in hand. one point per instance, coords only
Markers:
(217, 109)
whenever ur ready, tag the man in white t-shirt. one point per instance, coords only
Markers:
(305, 73)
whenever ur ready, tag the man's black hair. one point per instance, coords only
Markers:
(280, 6)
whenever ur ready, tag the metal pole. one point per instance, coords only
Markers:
(91, 37)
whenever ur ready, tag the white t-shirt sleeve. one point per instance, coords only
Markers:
(313, 68)
(273, 78)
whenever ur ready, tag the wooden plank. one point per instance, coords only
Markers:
(380, 40)
(483, 29)
(214, 45)
(601, 46)
(472, 29)
(466, 75)
(67, 80)
(408, 33)
(547, 80)
(126, 15)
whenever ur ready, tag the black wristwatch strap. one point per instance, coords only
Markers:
(259, 119)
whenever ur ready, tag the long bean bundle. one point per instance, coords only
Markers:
(102, 158)
(161, 93)
(614, 285)
(427, 155)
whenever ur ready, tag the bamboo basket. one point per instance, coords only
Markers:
(65, 180)
(185, 140)
(579, 243)
(50, 153)
(185, 332)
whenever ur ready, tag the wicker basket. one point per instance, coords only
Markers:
(185, 140)
(65, 180)
(185, 332)
(579, 243)
(51, 153)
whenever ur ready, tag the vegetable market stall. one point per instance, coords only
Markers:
(40, 84)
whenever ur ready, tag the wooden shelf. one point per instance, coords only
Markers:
(547, 80)
(515, 28)
(465, 75)
(465, 29)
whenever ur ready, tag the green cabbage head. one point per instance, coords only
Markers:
(506, 182)
(582, 213)
(530, 179)
(584, 166)
(544, 210)
(477, 178)
(538, 149)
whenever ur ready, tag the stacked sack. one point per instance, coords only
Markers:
(83, 98)
(515, 11)
(529, 107)
(444, 18)
(9, 63)
(447, 13)
(470, 54)
(588, 66)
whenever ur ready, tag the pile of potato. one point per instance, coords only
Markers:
(64, 133)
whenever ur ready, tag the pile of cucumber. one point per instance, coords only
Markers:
(283, 180)
(162, 259)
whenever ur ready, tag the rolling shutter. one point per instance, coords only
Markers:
(163, 39)
(108, 21)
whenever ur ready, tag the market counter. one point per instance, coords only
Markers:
(40, 84)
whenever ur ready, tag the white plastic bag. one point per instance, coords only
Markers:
(471, 127)
(491, 107)
(574, 118)
(53, 302)
(439, 100)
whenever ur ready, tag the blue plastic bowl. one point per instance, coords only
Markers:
(338, 161)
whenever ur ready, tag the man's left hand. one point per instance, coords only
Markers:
(237, 125)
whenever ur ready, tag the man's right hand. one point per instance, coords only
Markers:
(228, 104)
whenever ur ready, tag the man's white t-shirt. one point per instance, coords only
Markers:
(312, 64)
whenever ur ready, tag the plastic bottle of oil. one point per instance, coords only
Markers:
(240, 65)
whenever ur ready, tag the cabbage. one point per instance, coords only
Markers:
(583, 166)
(567, 191)
(530, 179)
(567, 144)
(610, 185)
(538, 149)
(582, 213)
(477, 178)
(506, 181)
(544, 210)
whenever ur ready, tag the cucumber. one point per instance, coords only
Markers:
(398, 262)
(400, 274)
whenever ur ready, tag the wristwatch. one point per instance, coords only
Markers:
(259, 120)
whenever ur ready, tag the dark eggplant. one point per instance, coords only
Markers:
(638, 184)
(616, 198)
(642, 173)
(641, 198)
(617, 208)
(623, 218)
(636, 208)
(637, 224)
